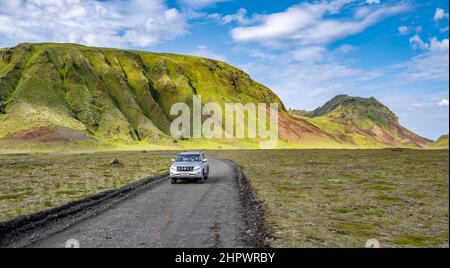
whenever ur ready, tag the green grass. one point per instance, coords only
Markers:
(33, 182)
(342, 198)
(417, 240)
(388, 198)
(313, 198)
(354, 229)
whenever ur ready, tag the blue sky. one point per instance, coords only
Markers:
(305, 51)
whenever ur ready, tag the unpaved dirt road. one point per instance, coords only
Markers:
(180, 215)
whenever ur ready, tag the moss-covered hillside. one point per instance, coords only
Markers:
(70, 93)
(442, 142)
(361, 121)
(57, 91)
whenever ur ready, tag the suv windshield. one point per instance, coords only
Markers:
(188, 158)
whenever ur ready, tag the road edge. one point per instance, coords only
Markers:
(258, 231)
(26, 229)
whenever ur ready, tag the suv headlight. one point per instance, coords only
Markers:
(173, 168)
(197, 167)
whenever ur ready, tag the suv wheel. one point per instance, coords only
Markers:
(202, 179)
(173, 181)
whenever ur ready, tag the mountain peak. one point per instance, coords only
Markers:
(352, 108)
(368, 117)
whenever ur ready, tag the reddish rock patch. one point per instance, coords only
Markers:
(48, 135)
(296, 129)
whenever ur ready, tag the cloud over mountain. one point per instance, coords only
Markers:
(309, 24)
(139, 23)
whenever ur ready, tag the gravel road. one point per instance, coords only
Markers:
(180, 215)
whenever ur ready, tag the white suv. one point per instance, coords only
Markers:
(189, 166)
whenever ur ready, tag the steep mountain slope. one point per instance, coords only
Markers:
(65, 92)
(442, 142)
(361, 121)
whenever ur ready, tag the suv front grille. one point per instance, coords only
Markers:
(185, 168)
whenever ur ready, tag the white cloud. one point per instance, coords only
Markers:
(203, 51)
(329, 31)
(275, 26)
(439, 14)
(443, 103)
(416, 42)
(239, 17)
(403, 30)
(434, 45)
(425, 67)
(138, 23)
(200, 3)
(257, 53)
(432, 64)
(308, 84)
(346, 49)
(437, 46)
(309, 54)
(309, 24)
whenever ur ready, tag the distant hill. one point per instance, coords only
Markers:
(442, 142)
(72, 93)
(360, 121)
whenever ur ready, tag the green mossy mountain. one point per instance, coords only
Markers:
(355, 109)
(361, 120)
(442, 142)
(67, 92)
(109, 93)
